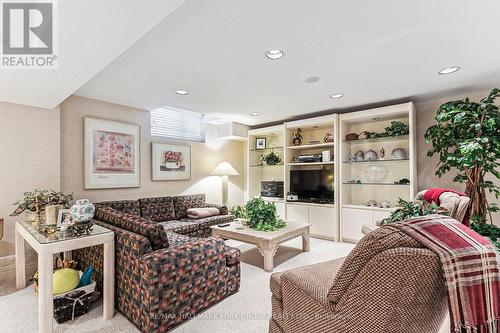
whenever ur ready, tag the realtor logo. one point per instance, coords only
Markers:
(28, 34)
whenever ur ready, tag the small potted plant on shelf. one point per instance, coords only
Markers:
(262, 215)
(272, 159)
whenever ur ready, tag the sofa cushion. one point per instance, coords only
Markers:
(125, 206)
(183, 202)
(381, 239)
(180, 227)
(315, 280)
(154, 232)
(207, 222)
(157, 209)
(175, 239)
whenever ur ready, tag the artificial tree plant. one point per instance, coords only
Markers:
(467, 138)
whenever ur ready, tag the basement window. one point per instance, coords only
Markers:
(178, 124)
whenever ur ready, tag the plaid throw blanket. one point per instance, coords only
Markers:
(471, 268)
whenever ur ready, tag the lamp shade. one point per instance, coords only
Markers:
(225, 169)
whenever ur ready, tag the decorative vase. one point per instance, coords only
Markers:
(82, 211)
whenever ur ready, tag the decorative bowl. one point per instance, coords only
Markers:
(351, 136)
(371, 155)
(398, 154)
(82, 211)
(385, 204)
(376, 173)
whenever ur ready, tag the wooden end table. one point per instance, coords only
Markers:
(267, 241)
(48, 245)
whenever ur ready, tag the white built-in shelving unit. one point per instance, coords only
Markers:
(343, 218)
(322, 216)
(259, 171)
(357, 187)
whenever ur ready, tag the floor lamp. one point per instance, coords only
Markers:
(224, 169)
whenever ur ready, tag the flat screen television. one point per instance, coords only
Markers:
(312, 185)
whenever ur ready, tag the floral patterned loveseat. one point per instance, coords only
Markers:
(162, 277)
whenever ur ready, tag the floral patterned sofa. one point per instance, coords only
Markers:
(163, 277)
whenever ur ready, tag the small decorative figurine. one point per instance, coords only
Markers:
(382, 154)
(328, 138)
(297, 137)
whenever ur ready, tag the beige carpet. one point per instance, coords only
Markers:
(246, 311)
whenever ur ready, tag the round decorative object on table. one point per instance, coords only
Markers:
(376, 173)
(371, 155)
(398, 154)
(82, 211)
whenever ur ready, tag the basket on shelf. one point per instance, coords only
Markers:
(352, 136)
(74, 303)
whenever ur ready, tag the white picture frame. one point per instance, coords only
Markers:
(61, 215)
(179, 165)
(111, 154)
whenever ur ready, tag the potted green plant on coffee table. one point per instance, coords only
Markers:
(262, 215)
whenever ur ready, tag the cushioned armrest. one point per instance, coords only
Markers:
(223, 209)
(180, 280)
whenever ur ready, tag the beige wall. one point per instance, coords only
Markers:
(426, 167)
(29, 155)
(204, 157)
(33, 139)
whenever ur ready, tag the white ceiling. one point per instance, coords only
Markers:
(92, 33)
(372, 51)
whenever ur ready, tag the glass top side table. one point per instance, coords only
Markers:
(46, 245)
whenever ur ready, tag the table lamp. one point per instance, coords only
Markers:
(224, 169)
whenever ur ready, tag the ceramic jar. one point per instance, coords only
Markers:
(82, 211)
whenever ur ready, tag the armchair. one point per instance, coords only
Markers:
(389, 283)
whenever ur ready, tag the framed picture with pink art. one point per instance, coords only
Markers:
(111, 154)
(171, 161)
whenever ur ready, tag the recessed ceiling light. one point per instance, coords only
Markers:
(181, 92)
(312, 79)
(336, 95)
(254, 114)
(449, 70)
(275, 54)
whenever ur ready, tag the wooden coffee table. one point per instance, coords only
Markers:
(267, 241)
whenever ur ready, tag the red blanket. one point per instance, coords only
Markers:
(433, 194)
(471, 267)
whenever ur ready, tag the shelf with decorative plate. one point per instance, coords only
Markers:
(377, 161)
(381, 139)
